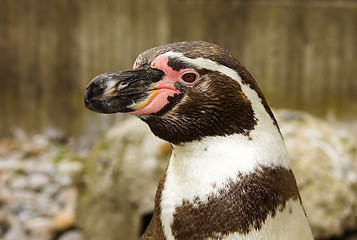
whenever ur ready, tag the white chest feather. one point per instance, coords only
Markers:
(204, 168)
(211, 166)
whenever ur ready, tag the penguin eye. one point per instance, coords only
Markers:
(189, 77)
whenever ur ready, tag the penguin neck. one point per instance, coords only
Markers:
(216, 160)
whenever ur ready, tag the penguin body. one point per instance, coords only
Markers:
(229, 175)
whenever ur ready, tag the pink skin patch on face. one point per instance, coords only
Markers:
(158, 97)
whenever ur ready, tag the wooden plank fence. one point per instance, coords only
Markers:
(302, 53)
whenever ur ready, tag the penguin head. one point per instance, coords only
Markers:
(184, 91)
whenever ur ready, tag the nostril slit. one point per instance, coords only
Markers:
(122, 85)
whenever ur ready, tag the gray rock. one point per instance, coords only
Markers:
(69, 168)
(19, 182)
(37, 181)
(55, 135)
(10, 164)
(63, 180)
(121, 177)
(39, 228)
(44, 166)
(16, 231)
(51, 189)
(35, 146)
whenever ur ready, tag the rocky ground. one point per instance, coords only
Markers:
(122, 172)
(39, 176)
(37, 193)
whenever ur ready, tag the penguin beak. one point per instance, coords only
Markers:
(121, 91)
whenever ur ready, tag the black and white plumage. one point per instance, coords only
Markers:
(229, 175)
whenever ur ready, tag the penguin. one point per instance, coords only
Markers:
(229, 175)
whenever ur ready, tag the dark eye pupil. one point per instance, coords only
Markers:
(189, 77)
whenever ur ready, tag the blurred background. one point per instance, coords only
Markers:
(65, 172)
